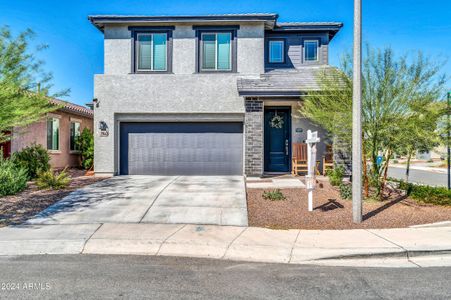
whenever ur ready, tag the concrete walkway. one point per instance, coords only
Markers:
(281, 182)
(403, 247)
(218, 200)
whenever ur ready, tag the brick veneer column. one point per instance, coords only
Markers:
(253, 122)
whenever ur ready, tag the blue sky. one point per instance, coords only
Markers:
(75, 51)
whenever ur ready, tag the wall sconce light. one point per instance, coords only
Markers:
(103, 126)
(96, 102)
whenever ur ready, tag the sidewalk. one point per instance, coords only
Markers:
(227, 242)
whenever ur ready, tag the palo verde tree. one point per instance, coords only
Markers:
(399, 94)
(24, 85)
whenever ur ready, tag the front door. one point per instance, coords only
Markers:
(277, 139)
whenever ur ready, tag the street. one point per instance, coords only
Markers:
(419, 176)
(138, 277)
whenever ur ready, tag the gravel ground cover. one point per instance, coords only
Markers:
(331, 212)
(24, 205)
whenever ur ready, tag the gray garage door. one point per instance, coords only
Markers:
(181, 148)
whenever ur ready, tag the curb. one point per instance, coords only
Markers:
(402, 254)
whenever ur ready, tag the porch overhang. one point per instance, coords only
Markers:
(284, 83)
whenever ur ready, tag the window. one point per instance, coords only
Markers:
(74, 135)
(216, 51)
(53, 133)
(276, 51)
(151, 51)
(311, 50)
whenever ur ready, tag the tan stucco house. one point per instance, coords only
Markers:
(56, 132)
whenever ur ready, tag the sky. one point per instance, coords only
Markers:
(75, 50)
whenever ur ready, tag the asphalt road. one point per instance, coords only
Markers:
(420, 176)
(141, 277)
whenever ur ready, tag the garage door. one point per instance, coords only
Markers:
(181, 148)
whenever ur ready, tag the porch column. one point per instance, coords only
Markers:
(253, 123)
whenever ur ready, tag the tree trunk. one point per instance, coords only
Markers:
(384, 178)
(409, 157)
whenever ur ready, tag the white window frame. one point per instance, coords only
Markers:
(54, 117)
(73, 121)
(151, 52)
(283, 52)
(305, 50)
(216, 52)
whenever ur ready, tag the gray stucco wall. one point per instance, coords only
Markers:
(184, 91)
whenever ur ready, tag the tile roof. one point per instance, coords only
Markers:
(281, 82)
(73, 108)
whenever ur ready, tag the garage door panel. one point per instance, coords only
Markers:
(181, 148)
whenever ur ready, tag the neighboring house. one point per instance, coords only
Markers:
(205, 95)
(57, 133)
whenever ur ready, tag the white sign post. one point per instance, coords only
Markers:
(312, 139)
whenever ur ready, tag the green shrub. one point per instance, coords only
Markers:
(34, 158)
(345, 191)
(426, 194)
(53, 180)
(86, 145)
(13, 178)
(275, 195)
(336, 175)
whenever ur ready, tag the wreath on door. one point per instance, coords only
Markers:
(276, 121)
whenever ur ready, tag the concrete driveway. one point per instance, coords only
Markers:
(219, 200)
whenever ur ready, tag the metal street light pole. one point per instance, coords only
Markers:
(449, 135)
(356, 116)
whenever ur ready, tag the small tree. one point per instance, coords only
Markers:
(86, 145)
(398, 99)
(24, 86)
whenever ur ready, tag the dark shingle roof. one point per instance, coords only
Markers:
(73, 108)
(283, 83)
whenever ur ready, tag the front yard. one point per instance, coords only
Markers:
(18, 208)
(331, 212)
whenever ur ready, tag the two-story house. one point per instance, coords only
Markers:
(204, 95)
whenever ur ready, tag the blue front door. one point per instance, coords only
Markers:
(277, 139)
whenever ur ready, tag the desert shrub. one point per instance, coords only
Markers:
(34, 158)
(345, 191)
(13, 178)
(426, 194)
(86, 145)
(336, 175)
(275, 195)
(53, 180)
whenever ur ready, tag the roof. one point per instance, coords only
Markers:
(283, 83)
(73, 108)
(331, 27)
(100, 20)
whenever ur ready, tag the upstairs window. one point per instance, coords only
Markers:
(216, 51)
(276, 51)
(151, 52)
(310, 51)
(74, 135)
(53, 134)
